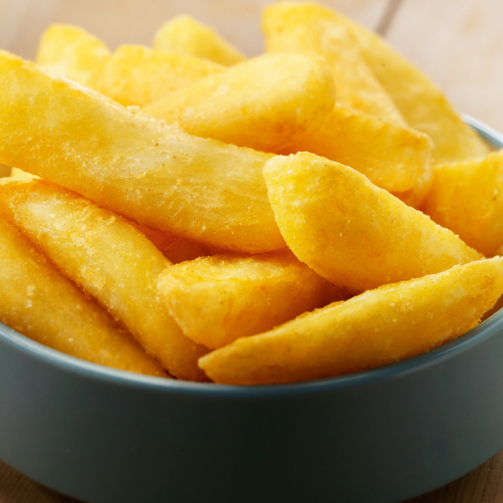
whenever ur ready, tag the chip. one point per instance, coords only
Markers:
(375, 328)
(351, 232)
(46, 307)
(241, 295)
(263, 103)
(137, 75)
(300, 27)
(185, 34)
(147, 171)
(467, 197)
(422, 104)
(390, 156)
(109, 259)
(69, 51)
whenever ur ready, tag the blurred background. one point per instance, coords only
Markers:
(458, 43)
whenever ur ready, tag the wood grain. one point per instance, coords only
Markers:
(482, 485)
(460, 46)
(16, 488)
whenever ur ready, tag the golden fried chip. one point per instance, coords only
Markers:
(467, 197)
(263, 103)
(300, 27)
(137, 75)
(217, 299)
(109, 259)
(69, 51)
(37, 301)
(186, 35)
(423, 105)
(150, 172)
(351, 232)
(376, 328)
(392, 157)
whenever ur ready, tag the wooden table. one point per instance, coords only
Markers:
(458, 44)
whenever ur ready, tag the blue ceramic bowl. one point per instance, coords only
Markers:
(106, 436)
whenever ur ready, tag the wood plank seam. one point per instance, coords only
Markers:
(388, 17)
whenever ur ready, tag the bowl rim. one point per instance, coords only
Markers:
(448, 350)
(94, 371)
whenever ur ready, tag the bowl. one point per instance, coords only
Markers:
(385, 435)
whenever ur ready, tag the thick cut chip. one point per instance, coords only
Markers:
(69, 51)
(423, 105)
(217, 299)
(109, 259)
(351, 232)
(185, 34)
(467, 197)
(37, 301)
(150, 172)
(263, 103)
(301, 27)
(392, 157)
(376, 328)
(136, 75)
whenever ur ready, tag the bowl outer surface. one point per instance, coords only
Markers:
(105, 436)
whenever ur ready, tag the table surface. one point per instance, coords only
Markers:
(458, 44)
